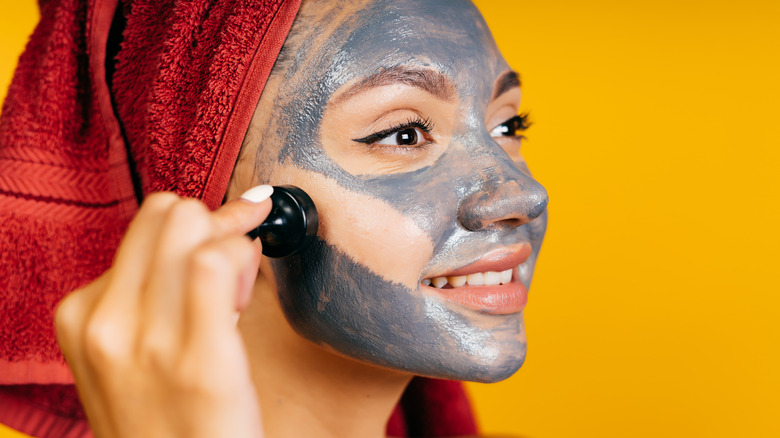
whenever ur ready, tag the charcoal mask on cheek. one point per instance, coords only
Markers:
(335, 300)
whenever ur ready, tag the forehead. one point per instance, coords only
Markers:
(356, 39)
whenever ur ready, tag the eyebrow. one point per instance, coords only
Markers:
(506, 82)
(432, 81)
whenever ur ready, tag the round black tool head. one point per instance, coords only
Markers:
(292, 224)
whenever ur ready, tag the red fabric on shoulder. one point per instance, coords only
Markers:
(437, 408)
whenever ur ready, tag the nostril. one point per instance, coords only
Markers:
(512, 222)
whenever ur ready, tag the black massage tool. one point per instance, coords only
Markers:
(291, 226)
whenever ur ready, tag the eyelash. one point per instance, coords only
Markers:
(519, 123)
(425, 125)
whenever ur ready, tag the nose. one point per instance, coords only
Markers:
(511, 199)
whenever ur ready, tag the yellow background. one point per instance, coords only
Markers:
(653, 313)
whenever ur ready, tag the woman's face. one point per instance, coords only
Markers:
(398, 118)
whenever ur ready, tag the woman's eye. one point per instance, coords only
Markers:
(415, 133)
(404, 137)
(512, 127)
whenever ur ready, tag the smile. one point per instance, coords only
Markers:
(489, 278)
(493, 284)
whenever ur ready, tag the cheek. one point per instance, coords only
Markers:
(370, 230)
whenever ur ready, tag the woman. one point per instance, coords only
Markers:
(399, 120)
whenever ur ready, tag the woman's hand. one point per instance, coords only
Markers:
(153, 343)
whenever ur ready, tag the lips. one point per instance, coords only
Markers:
(490, 285)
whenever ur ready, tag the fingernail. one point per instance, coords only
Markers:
(237, 316)
(258, 194)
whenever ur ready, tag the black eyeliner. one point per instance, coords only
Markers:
(423, 124)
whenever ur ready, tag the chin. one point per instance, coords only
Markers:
(490, 352)
(506, 369)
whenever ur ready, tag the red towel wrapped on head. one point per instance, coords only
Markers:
(184, 83)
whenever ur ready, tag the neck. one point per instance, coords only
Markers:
(307, 391)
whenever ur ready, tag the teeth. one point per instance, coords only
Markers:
(477, 279)
(489, 278)
(506, 276)
(457, 281)
(492, 278)
(439, 282)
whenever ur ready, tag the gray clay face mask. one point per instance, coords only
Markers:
(391, 115)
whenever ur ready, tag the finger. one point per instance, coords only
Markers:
(72, 317)
(134, 255)
(242, 215)
(72, 313)
(221, 272)
(186, 226)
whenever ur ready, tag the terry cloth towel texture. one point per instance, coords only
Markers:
(185, 78)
